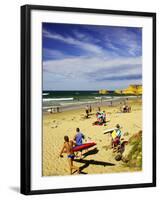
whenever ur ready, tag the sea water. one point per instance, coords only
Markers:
(70, 99)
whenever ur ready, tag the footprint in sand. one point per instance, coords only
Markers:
(69, 129)
(56, 126)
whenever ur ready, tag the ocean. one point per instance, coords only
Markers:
(73, 99)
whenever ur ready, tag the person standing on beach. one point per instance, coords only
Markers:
(51, 110)
(68, 148)
(57, 109)
(116, 136)
(78, 138)
(90, 108)
(87, 111)
(118, 131)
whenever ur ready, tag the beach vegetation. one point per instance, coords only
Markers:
(134, 157)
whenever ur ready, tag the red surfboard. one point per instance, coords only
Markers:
(84, 146)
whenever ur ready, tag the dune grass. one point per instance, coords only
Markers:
(134, 157)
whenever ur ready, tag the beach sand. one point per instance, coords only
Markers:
(100, 159)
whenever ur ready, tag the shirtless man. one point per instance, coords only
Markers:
(68, 148)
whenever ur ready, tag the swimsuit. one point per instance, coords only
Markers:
(71, 156)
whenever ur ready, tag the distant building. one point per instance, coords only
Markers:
(132, 89)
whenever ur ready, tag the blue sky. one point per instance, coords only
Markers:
(91, 57)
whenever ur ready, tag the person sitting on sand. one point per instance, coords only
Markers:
(78, 138)
(97, 113)
(126, 108)
(104, 116)
(99, 118)
(68, 148)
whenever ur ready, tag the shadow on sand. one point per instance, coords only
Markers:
(85, 117)
(92, 162)
(90, 152)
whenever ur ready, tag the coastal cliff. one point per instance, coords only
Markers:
(132, 89)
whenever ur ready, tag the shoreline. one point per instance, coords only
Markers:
(81, 105)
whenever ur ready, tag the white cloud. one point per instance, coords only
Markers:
(89, 47)
(88, 64)
(93, 68)
(51, 53)
(123, 40)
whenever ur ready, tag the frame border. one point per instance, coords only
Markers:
(25, 174)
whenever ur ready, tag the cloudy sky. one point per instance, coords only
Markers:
(87, 57)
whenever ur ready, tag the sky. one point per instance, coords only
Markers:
(90, 57)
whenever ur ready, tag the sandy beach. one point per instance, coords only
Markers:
(100, 158)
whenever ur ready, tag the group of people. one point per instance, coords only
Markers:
(101, 117)
(68, 146)
(68, 149)
(88, 109)
(54, 110)
(126, 109)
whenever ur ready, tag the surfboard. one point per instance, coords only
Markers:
(109, 130)
(84, 146)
